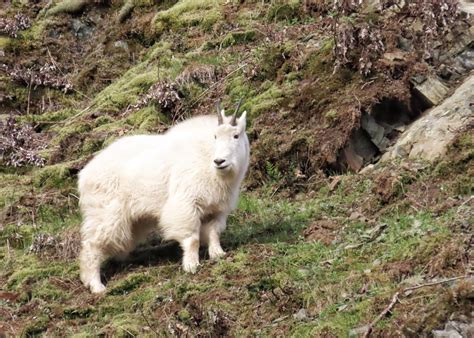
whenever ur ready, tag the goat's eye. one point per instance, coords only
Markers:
(236, 136)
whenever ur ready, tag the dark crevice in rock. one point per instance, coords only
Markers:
(378, 130)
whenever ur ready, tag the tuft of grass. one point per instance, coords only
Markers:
(52, 176)
(186, 13)
(284, 11)
(132, 282)
(237, 38)
(127, 89)
(38, 326)
(256, 101)
(146, 118)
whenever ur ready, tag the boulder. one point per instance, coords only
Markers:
(432, 90)
(428, 137)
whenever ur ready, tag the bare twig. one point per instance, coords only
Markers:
(180, 112)
(434, 283)
(8, 250)
(29, 97)
(382, 314)
(366, 84)
(360, 105)
(395, 300)
(465, 202)
(72, 118)
(148, 323)
(33, 209)
(75, 196)
(131, 334)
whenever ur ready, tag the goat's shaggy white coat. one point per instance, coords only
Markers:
(186, 181)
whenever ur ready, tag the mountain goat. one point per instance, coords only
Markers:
(185, 181)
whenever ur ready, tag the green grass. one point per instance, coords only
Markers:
(187, 13)
(268, 260)
(271, 270)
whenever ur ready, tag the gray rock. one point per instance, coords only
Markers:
(405, 44)
(455, 329)
(446, 334)
(467, 6)
(121, 44)
(428, 137)
(466, 59)
(376, 131)
(301, 315)
(368, 169)
(418, 79)
(432, 90)
(358, 331)
(81, 29)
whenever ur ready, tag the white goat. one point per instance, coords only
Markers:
(186, 181)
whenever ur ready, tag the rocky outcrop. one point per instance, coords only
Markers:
(429, 136)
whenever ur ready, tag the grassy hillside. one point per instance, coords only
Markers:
(313, 249)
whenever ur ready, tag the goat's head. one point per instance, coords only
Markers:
(231, 143)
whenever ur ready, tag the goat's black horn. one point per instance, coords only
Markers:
(220, 120)
(233, 121)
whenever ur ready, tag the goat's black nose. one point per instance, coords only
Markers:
(219, 161)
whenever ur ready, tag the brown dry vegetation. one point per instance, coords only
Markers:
(337, 247)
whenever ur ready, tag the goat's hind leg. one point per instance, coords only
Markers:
(90, 260)
(102, 239)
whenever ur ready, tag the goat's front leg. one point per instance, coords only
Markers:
(210, 232)
(181, 222)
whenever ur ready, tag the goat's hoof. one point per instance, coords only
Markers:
(190, 267)
(97, 287)
(216, 253)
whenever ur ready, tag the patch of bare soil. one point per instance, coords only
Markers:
(397, 271)
(387, 185)
(324, 231)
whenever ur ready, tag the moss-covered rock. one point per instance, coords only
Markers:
(68, 6)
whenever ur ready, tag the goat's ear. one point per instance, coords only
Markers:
(243, 121)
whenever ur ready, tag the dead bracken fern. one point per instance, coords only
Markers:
(202, 74)
(436, 18)
(360, 40)
(11, 26)
(18, 145)
(47, 75)
(364, 39)
(64, 247)
(164, 93)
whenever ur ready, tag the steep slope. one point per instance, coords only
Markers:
(314, 248)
